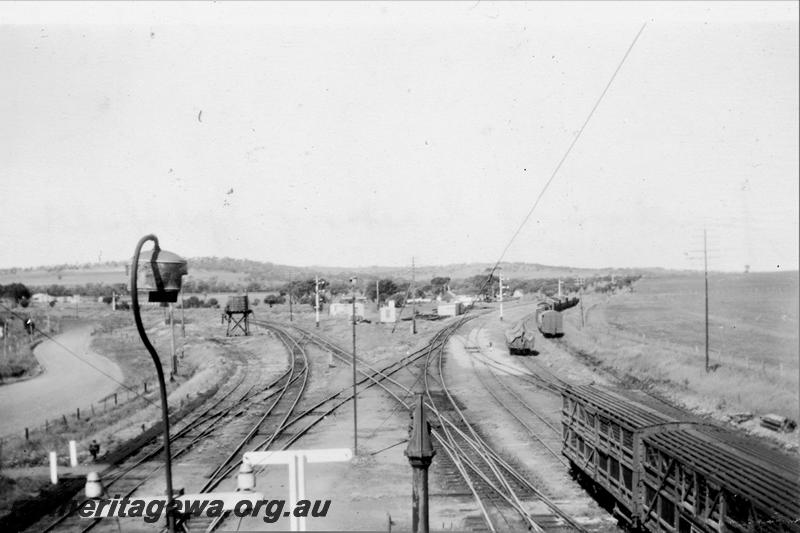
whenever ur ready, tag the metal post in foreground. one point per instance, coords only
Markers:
(166, 271)
(420, 454)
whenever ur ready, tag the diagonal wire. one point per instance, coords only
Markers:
(566, 154)
(68, 350)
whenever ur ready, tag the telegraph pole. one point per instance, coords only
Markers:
(183, 319)
(414, 300)
(705, 269)
(291, 286)
(354, 280)
(378, 296)
(172, 342)
(500, 284)
(316, 298)
(580, 297)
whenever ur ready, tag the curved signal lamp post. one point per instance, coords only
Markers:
(161, 277)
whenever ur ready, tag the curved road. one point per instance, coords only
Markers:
(68, 382)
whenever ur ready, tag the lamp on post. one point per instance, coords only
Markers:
(160, 276)
(420, 454)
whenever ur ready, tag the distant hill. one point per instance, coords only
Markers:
(243, 271)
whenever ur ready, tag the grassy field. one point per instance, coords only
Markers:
(751, 317)
(655, 336)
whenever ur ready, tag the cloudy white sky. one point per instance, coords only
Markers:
(364, 134)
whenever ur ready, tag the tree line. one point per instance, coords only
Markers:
(483, 286)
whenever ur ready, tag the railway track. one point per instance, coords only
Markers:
(291, 392)
(145, 464)
(547, 434)
(491, 479)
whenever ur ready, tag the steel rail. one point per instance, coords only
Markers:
(122, 472)
(222, 472)
(206, 416)
(438, 341)
(507, 491)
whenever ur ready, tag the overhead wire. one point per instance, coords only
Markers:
(69, 351)
(563, 158)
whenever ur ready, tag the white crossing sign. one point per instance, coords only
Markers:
(296, 460)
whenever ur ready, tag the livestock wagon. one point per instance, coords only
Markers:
(665, 472)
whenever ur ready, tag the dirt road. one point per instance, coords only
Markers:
(67, 383)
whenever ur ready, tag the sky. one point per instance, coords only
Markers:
(357, 134)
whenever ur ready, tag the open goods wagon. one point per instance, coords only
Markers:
(520, 337)
(562, 304)
(665, 472)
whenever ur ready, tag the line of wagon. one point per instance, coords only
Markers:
(663, 471)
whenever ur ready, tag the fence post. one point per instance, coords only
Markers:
(53, 468)
(73, 453)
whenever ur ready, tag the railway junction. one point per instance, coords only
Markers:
(510, 447)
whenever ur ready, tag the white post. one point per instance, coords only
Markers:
(297, 490)
(53, 468)
(73, 453)
(301, 487)
(293, 521)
